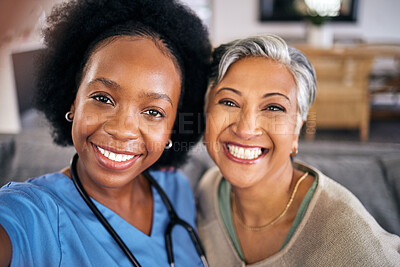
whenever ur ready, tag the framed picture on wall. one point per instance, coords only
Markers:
(286, 11)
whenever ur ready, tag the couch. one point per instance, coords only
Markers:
(370, 170)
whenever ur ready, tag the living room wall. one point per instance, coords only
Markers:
(378, 21)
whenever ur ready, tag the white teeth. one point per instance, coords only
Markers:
(114, 156)
(118, 157)
(242, 153)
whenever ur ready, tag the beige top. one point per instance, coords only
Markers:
(336, 230)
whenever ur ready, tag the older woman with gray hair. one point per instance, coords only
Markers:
(257, 207)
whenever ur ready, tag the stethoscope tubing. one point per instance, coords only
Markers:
(174, 219)
(97, 213)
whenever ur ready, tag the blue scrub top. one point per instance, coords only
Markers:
(49, 224)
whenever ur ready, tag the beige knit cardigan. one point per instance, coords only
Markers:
(336, 230)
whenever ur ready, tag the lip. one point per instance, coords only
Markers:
(114, 150)
(244, 161)
(114, 165)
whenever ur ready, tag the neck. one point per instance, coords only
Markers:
(123, 198)
(132, 201)
(270, 194)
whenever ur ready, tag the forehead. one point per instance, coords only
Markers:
(146, 50)
(256, 76)
(259, 74)
(133, 61)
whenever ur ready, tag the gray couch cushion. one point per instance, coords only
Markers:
(391, 164)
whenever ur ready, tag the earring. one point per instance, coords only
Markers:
(68, 116)
(294, 153)
(169, 145)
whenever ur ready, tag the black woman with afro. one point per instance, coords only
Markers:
(123, 81)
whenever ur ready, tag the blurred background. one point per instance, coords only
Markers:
(353, 44)
(356, 32)
(353, 130)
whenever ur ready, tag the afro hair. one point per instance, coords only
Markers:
(75, 27)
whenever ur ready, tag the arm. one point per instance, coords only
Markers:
(5, 251)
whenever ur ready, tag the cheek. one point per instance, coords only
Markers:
(279, 124)
(208, 135)
(156, 135)
(85, 122)
(216, 124)
(217, 120)
(282, 135)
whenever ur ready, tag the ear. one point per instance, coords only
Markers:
(296, 135)
(295, 145)
(72, 109)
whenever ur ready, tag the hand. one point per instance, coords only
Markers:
(6, 248)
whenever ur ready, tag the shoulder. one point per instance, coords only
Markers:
(339, 200)
(35, 197)
(329, 191)
(30, 209)
(206, 196)
(212, 231)
(209, 181)
(336, 221)
(33, 189)
(334, 200)
(207, 192)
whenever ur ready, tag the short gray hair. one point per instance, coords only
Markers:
(272, 47)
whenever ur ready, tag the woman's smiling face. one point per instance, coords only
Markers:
(124, 110)
(251, 120)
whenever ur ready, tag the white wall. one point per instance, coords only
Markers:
(9, 114)
(10, 122)
(378, 20)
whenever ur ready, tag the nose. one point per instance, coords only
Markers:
(123, 125)
(247, 125)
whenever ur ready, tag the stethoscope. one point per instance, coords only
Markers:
(174, 219)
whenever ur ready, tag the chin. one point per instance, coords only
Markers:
(240, 178)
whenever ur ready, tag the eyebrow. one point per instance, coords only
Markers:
(113, 85)
(272, 94)
(239, 93)
(228, 89)
(155, 95)
(107, 82)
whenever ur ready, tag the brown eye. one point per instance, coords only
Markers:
(227, 103)
(154, 113)
(102, 98)
(275, 108)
